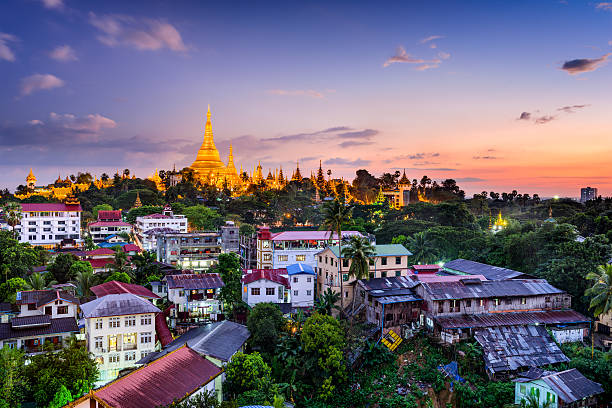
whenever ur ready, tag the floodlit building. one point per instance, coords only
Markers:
(587, 193)
(48, 224)
(120, 330)
(195, 251)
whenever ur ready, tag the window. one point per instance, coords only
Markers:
(295, 279)
(300, 258)
(270, 291)
(346, 294)
(62, 310)
(383, 274)
(145, 337)
(440, 307)
(468, 303)
(383, 260)
(130, 321)
(523, 301)
(98, 342)
(255, 291)
(398, 260)
(31, 306)
(112, 343)
(309, 293)
(523, 389)
(99, 324)
(547, 299)
(326, 259)
(130, 356)
(114, 358)
(496, 300)
(371, 275)
(295, 293)
(508, 301)
(283, 258)
(345, 263)
(145, 320)
(455, 305)
(398, 273)
(345, 277)
(129, 341)
(309, 279)
(114, 322)
(31, 229)
(143, 354)
(482, 302)
(267, 257)
(320, 258)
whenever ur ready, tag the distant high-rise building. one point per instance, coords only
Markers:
(587, 193)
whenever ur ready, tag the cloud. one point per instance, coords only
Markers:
(524, 116)
(469, 179)
(143, 34)
(53, 4)
(339, 161)
(430, 38)
(604, 6)
(544, 119)
(416, 156)
(359, 134)
(91, 123)
(5, 52)
(401, 56)
(297, 92)
(337, 132)
(353, 143)
(571, 108)
(63, 53)
(540, 120)
(38, 82)
(579, 66)
(484, 158)
(306, 136)
(444, 55)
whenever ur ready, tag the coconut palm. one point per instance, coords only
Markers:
(327, 301)
(12, 215)
(84, 281)
(335, 214)
(601, 303)
(422, 248)
(531, 401)
(359, 251)
(121, 263)
(36, 281)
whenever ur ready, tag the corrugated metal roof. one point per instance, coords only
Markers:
(115, 287)
(385, 300)
(117, 305)
(273, 275)
(392, 282)
(299, 267)
(57, 326)
(382, 250)
(42, 297)
(489, 271)
(465, 321)
(194, 281)
(571, 385)
(310, 235)
(225, 339)
(171, 377)
(489, 289)
(511, 348)
(30, 321)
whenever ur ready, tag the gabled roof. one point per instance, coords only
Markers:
(464, 266)
(99, 251)
(117, 305)
(174, 376)
(100, 263)
(274, 275)
(552, 317)
(194, 281)
(115, 287)
(56, 326)
(44, 207)
(114, 215)
(300, 268)
(131, 248)
(571, 385)
(382, 250)
(110, 224)
(511, 348)
(475, 288)
(43, 297)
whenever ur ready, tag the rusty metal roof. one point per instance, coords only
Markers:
(194, 281)
(571, 385)
(464, 266)
(465, 321)
(470, 288)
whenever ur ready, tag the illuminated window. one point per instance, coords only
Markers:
(300, 258)
(283, 258)
(129, 341)
(267, 257)
(255, 291)
(112, 343)
(523, 301)
(270, 291)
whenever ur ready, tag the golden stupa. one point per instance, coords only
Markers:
(208, 165)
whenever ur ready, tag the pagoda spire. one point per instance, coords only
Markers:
(137, 202)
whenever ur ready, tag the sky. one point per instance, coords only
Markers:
(497, 95)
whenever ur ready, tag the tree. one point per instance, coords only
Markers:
(422, 248)
(101, 207)
(119, 277)
(146, 266)
(203, 218)
(13, 380)
(231, 274)
(60, 267)
(265, 322)
(84, 280)
(247, 230)
(120, 264)
(11, 212)
(327, 302)
(9, 289)
(206, 399)
(247, 372)
(61, 398)
(36, 281)
(358, 252)
(601, 291)
(335, 214)
(16, 258)
(89, 243)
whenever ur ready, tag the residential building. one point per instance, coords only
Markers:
(175, 376)
(388, 260)
(108, 223)
(567, 389)
(490, 272)
(455, 306)
(99, 258)
(148, 226)
(248, 251)
(195, 251)
(120, 330)
(45, 316)
(115, 288)
(195, 298)
(265, 285)
(230, 237)
(278, 250)
(48, 224)
(389, 303)
(587, 193)
(302, 279)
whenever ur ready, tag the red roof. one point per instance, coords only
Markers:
(114, 287)
(171, 377)
(426, 268)
(511, 319)
(100, 263)
(274, 275)
(29, 207)
(110, 224)
(310, 235)
(131, 247)
(99, 251)
(114, 215)
(162, 330)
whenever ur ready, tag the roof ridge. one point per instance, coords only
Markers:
(208, 334)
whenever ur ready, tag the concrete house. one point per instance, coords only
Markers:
(303, 279)
(195, 297)
(266, 285)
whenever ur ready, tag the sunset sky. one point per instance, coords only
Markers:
(497, 95)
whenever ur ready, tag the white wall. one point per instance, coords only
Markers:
(262, 284)
(568, 335)
(72, 310)
(49, 226)
(300, 283)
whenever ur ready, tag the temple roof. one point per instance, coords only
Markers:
(208, 159)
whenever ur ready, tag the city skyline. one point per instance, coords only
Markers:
(495, 97)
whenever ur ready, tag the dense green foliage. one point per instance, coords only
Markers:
(247, 372)
(265, 322)
(231, 274)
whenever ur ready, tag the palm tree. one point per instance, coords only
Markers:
(531, 401)
(36, 281)
(84, 281)
(335, 214)
(120, 263)
(422, 248)
(327, 302)
(12, 215)
(601, 303)
(359, 251)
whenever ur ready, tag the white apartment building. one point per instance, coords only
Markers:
(148, 226)
(302, 278)
(120, 331)
(47, 224)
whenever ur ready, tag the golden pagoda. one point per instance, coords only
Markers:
(31, 180)
(208, 165)
(137, 203)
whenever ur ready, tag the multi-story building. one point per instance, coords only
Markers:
(281, 249)
(265, 286)
(48, 224)
(302, 279)
(195, 251)
(388, 260)
(120, 331)
(230, 237)
(45, 317)
(248, 251)
(587, 193)
(108, 223)
(195, 297)
(148, 226)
